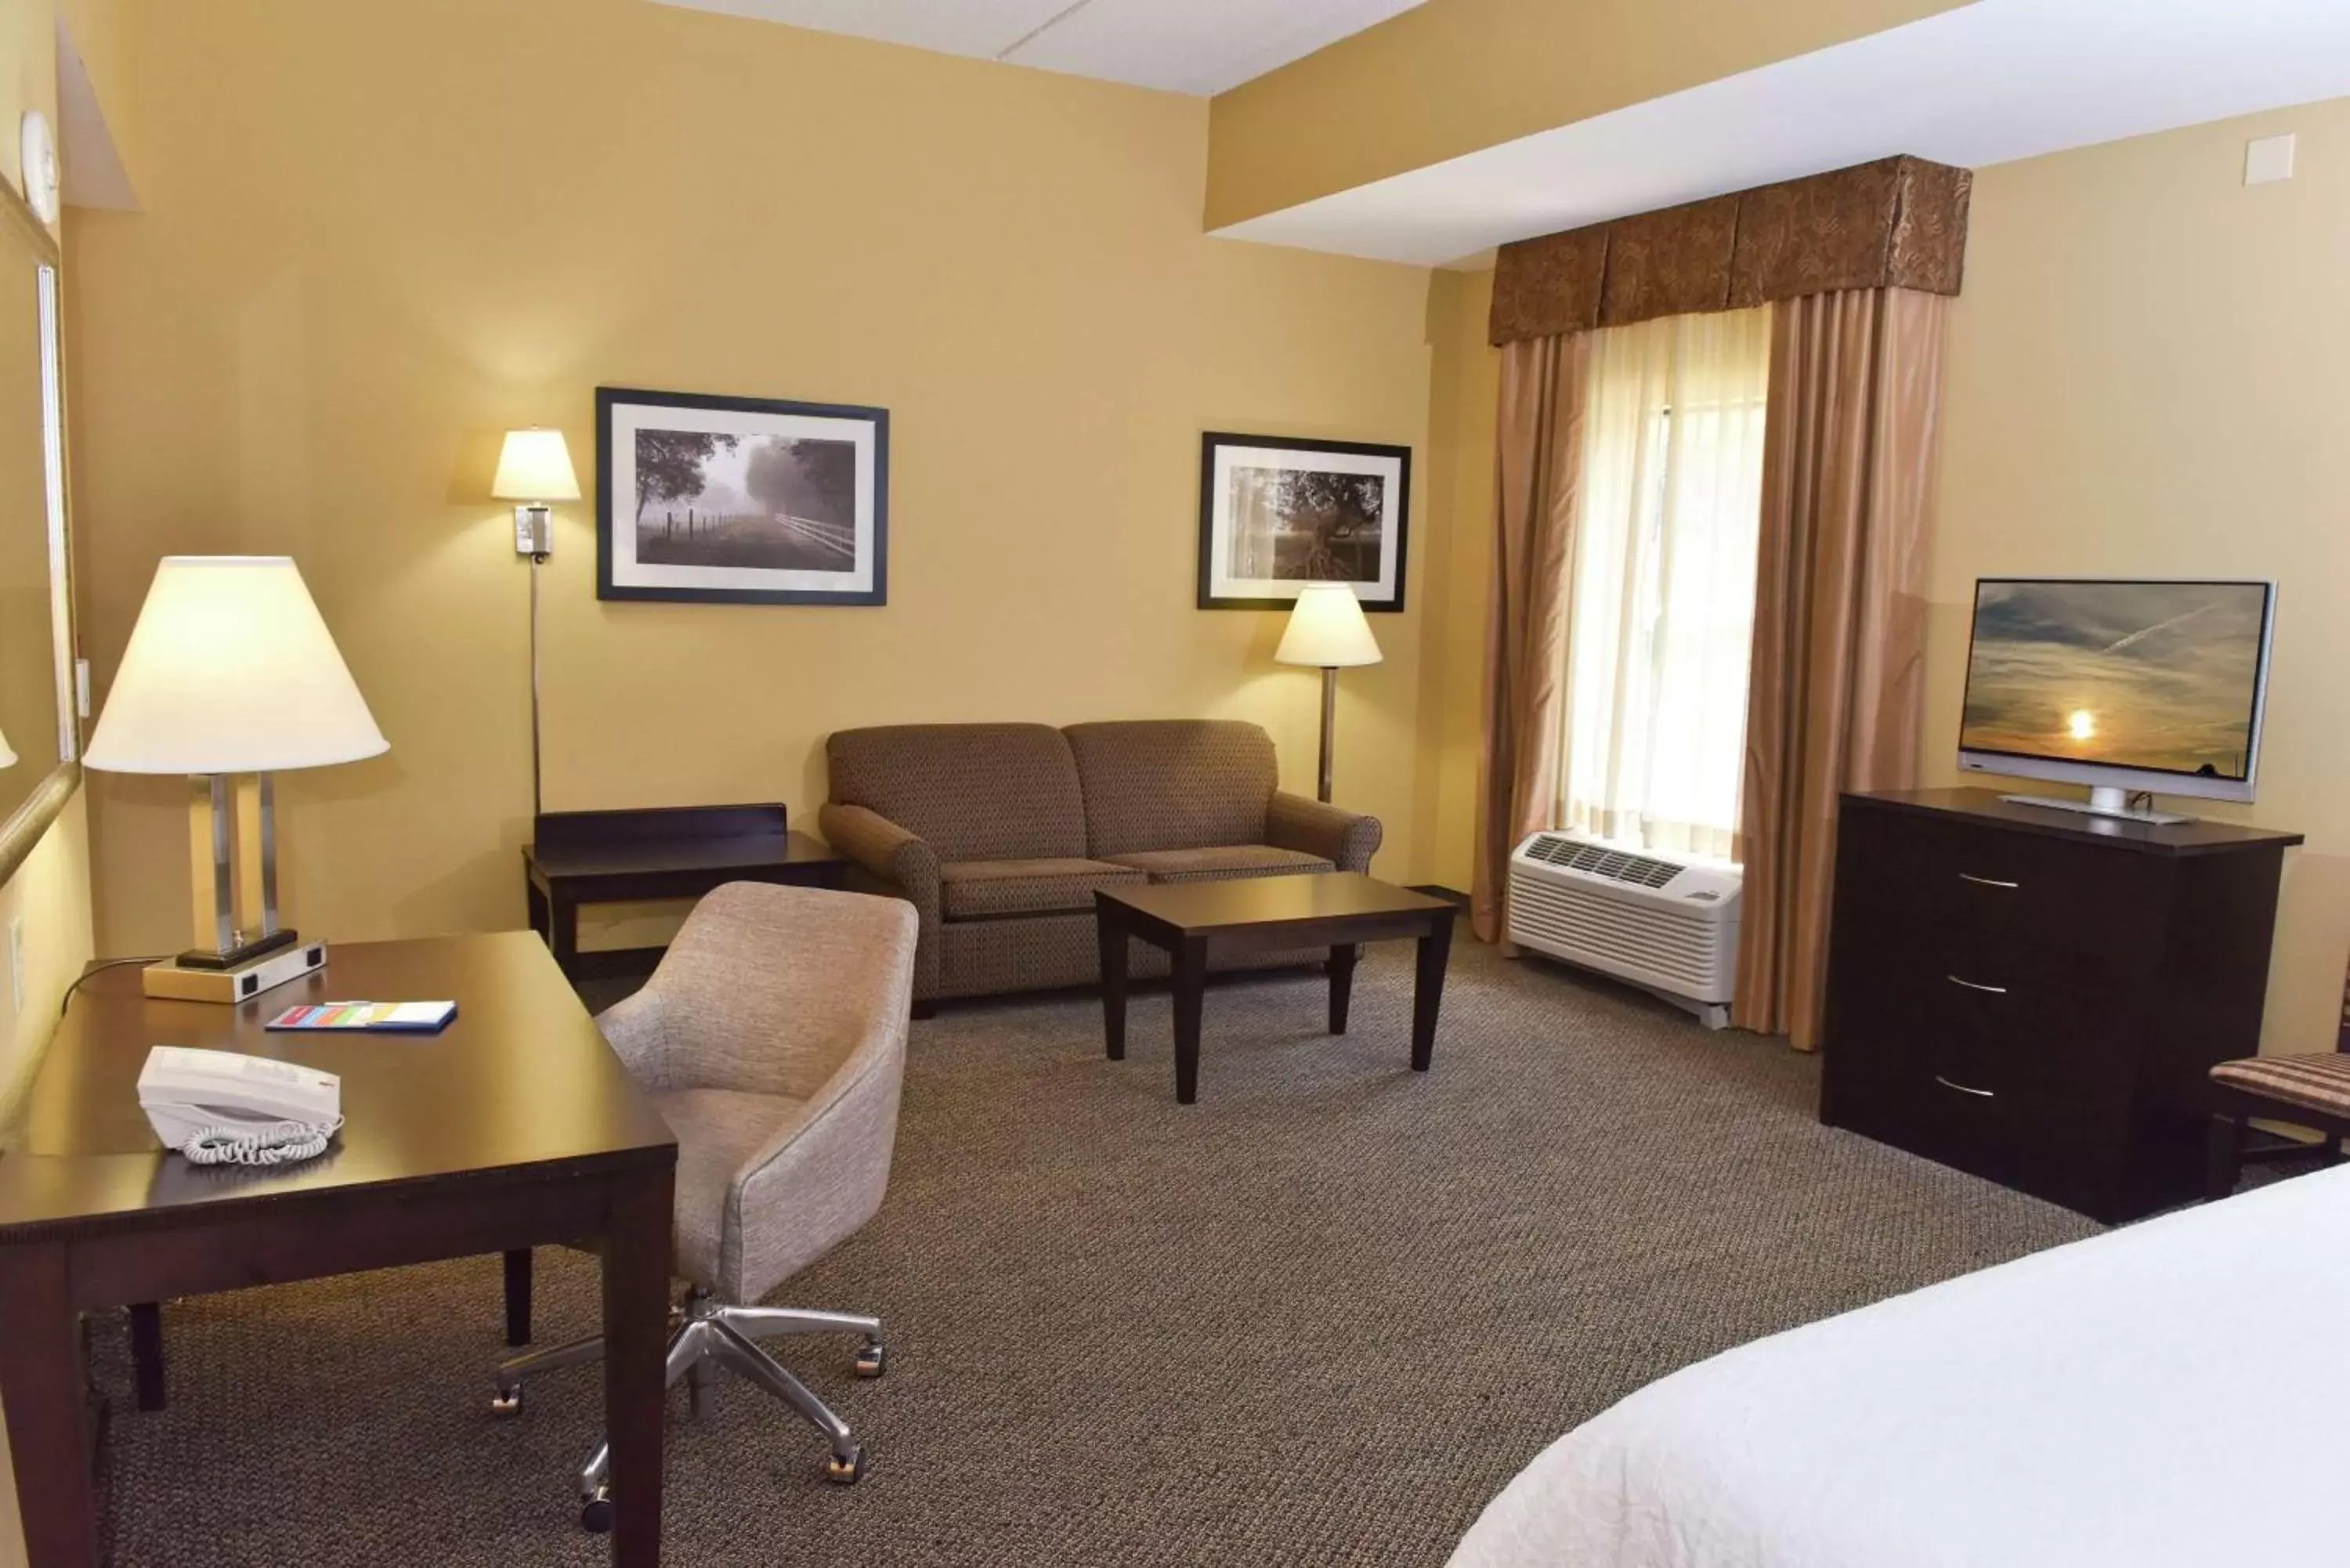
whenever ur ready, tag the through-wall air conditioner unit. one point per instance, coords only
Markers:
(1667, 923)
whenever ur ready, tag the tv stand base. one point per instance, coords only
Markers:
(2102, 802)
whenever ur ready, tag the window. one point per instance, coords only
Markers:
(1662, 609)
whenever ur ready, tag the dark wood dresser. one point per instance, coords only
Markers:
(2034, 996)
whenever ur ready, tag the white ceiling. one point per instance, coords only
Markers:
(1182, 46)
(1993, 81)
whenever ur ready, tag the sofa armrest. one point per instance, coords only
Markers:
(1348, 839)
(892, 861)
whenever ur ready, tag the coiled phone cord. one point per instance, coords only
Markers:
(281, 1144)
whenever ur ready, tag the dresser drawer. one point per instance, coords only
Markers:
(2012, 898)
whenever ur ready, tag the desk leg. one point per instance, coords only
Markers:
(518, 1284)
(636, 1326)
(48, 1426)
(147, 1354)
(1190, 987)
(1342, 984)
(1428, 990)
(535, 903)
(1109, 931)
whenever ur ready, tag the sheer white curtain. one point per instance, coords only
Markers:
(1663, 580)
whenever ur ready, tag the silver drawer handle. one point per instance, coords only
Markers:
(1979, 1094)
(1976, 985)
(1984, 881)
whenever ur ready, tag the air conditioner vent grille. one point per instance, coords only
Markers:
(1597, 860)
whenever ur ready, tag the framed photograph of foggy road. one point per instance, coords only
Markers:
(740, 500)
(1276, 513)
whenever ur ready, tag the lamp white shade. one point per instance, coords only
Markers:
(1326, 629)
(535, 465)
(231, 670)
(7, 753)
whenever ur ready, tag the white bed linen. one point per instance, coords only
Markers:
(2174, 1394)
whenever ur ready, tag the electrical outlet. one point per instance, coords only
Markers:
(17, 965)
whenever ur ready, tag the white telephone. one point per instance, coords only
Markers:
(216, 1107)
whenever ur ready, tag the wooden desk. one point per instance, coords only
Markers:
(516, 1126)
(1194, 920)
(680, 852)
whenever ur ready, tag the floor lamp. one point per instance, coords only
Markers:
(231, 670)
(1326, 629)
(534, 469)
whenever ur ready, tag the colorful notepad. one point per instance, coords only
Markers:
(372, 1017)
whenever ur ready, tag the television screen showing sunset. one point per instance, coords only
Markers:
(2160, 676)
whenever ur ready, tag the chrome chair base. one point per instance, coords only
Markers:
(704, 1332)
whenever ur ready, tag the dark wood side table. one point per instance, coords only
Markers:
(1193, 920)
(445, 1152)
(578, 857)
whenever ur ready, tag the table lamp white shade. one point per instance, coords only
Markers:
(7, 753)
(1326, 628)
(535, 465)
(231, 670)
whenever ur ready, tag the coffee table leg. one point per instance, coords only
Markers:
(1427, 990)
(1111, 932)
(1190, 983)
(1342, 984)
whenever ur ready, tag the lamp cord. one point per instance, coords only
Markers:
(65, 1001)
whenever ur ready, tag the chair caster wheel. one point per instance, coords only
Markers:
(596, 1511)
(506, 1401)
(872, 1359)
(843, 1472)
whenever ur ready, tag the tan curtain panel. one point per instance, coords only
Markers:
(1835, 689)
(1538, 470)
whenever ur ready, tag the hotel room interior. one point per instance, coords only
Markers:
(1521, 783)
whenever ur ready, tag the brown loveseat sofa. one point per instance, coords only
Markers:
(999, 833)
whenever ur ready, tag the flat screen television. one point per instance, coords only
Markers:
(2126, 687)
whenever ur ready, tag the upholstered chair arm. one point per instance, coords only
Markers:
(1348, 839)
(892, 860)
(822, 1175)
(637, 1031)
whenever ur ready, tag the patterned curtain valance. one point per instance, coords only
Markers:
(1899, 222)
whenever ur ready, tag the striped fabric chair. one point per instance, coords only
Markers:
(2305, 1090)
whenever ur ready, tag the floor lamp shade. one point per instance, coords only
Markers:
(231, 670)
(1326, 628)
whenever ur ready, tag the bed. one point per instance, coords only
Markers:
(2170, 1395)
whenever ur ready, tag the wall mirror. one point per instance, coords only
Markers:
(40, 737)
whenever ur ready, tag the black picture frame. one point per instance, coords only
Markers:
(1393, 465)
(616, 568)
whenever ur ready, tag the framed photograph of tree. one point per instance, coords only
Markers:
(1278, 514)
(740, 500)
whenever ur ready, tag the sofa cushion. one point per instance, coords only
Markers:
(1172, 784)
(973, 792)
(972, 890)
(1221, 862)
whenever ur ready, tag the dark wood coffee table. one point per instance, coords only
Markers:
(1194, 921)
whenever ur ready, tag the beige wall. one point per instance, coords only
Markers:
(1464, 385)
(51, 891)
(2145, 381)
(344, 286)
(1452, 76)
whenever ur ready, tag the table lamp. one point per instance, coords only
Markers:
(231, 670)
(1326, 629)
(534, 468)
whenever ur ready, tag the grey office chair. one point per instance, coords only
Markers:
(773, 1037)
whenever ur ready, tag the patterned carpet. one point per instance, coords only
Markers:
(1316, 1319)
